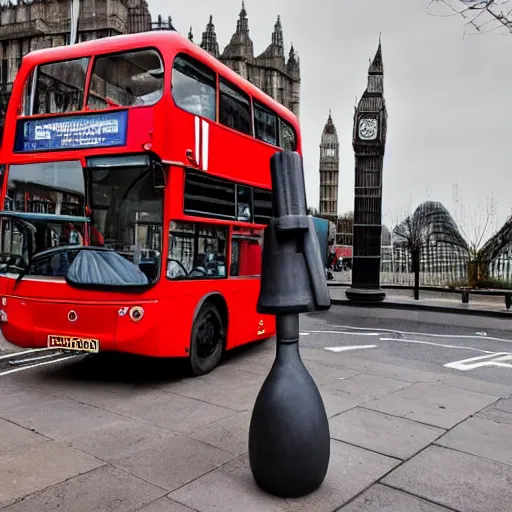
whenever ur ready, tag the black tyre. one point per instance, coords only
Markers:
(207, 342)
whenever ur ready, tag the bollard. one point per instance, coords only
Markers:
(508, 300)
(289, 440)
(465, 297)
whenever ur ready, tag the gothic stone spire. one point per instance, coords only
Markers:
(209, 41)
(276, 48)
(242, 25)
(277, 37)
(373, 97)
(240, 46)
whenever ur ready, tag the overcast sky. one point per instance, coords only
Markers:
(448, 98)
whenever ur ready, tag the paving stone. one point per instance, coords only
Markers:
(230, 434)
(336, 402)
(101, 394)
(233, 389)
(14, 396)
(379, 498)
(432, 403)
(481, 437)
(368, 387)
(389, 435)
(175, 463)
(14, 436)
(477, 385)
(122, 439)
(106, 489)
(28, 469)
(328, 375)
(455, 479)
(172, 412)
(351, 470)
(165, 505)
(60, 419)
(500, 412)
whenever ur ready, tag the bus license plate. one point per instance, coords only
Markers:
(74, 343)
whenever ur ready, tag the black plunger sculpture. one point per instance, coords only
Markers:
(289, 439)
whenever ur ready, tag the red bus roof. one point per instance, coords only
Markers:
(163, 40)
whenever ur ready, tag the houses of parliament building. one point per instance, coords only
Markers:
(27, 25)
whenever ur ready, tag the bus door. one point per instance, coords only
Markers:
(245, 271)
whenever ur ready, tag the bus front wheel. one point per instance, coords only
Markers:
(207, 343)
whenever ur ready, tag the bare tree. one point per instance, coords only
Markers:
(430, 223)
(479, 15)
(312, 211)
(477, 223)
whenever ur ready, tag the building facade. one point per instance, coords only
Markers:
(270, 71)
(329, 171)
(369, 142)
(29, 25)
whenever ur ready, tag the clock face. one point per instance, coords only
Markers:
(368, 128)
(330, 152)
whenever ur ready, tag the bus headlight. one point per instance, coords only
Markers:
(136, 313)
(3, 316)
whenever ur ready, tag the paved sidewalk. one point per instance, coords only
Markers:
(484, 305)
(127, 436)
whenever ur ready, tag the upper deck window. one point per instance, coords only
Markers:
(287, 137)
(234, 108)
(265, 124)
(194, 86)
(59, 87)
(126, 79)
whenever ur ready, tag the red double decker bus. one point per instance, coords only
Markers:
(136, 187)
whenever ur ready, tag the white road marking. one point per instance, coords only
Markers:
(22, 352)
(15, 361)
(481, 333)
(344, 349)
(467, 336)
(495, 359)
(421, 342)
(35, 365)
(304, 333)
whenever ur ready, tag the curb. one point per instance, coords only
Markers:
(437, 289)
(424, 307)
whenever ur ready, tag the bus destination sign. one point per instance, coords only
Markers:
(70, 132)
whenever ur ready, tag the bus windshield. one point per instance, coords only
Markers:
(124, 207)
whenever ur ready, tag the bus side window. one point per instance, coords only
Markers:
(246, 256)
(196, 251)
(265, 124)
(60, 86)
(287, 138)
(194, 87)
(126, 79)
(234, 108)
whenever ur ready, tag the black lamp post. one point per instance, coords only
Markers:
(289, 440)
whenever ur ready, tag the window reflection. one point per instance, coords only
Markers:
(60, 87)
(53, 187)
(193, 87)
(234, 108)
(126, 79)
(265, 124)
(127, 215)
(196, 251)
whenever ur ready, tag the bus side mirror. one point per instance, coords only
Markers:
(159, 178)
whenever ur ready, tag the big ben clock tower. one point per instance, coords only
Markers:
(369, 141)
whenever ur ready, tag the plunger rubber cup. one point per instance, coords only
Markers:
(289, 440)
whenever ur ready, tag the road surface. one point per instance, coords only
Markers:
(418, 405)
(477, 347)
